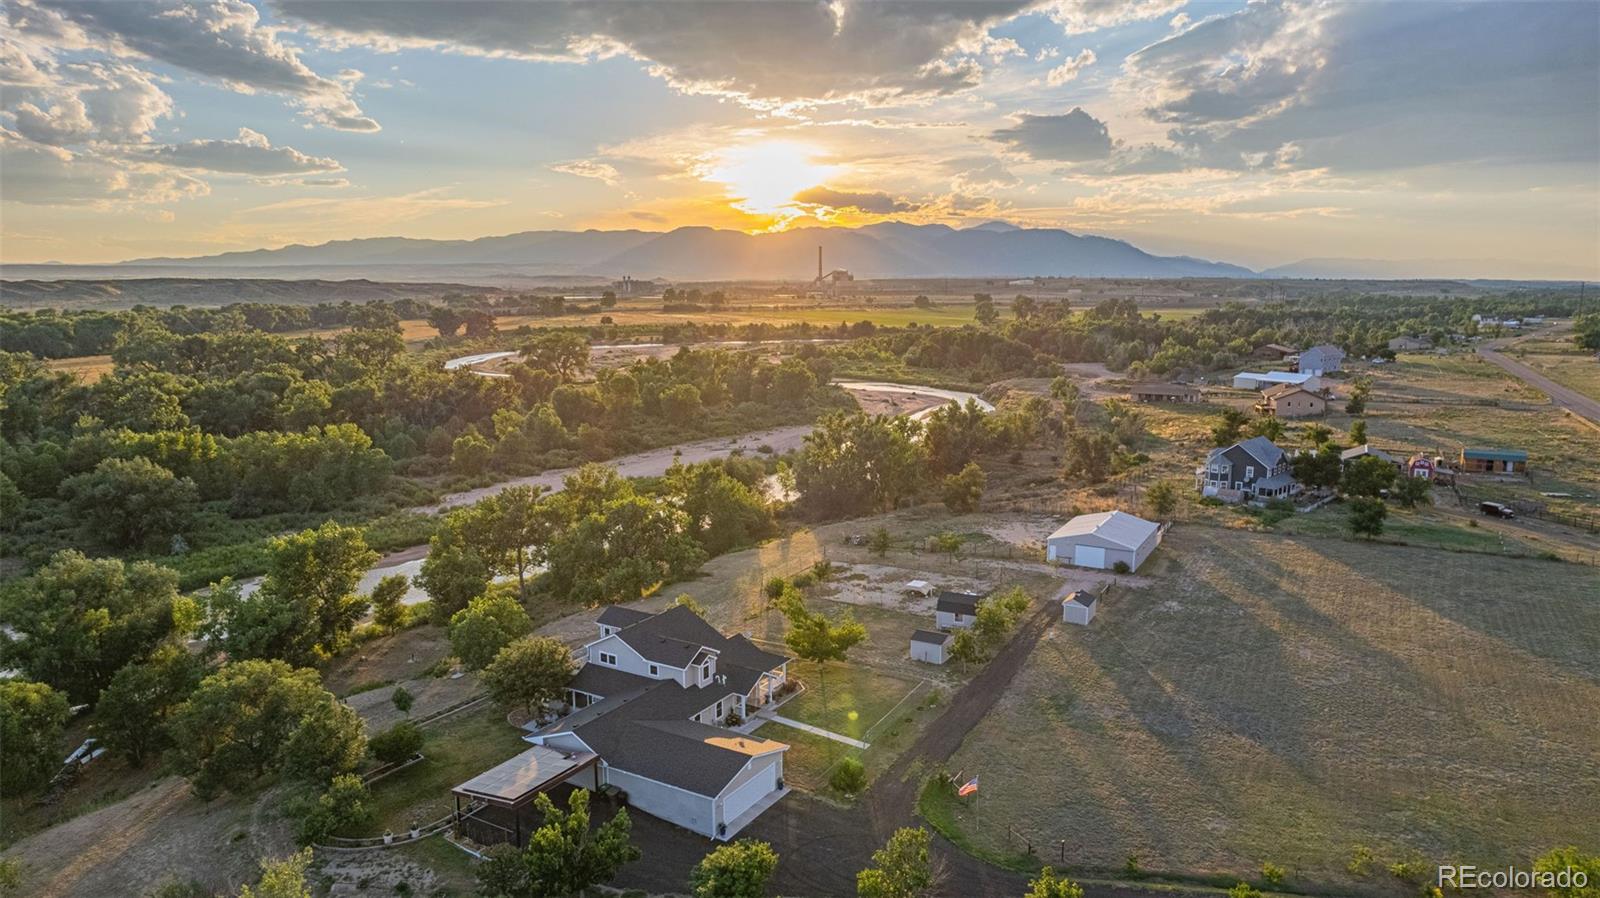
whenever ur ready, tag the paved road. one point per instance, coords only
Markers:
(1565, 397)
(821, 846)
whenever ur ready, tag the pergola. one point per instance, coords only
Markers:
(499, 798)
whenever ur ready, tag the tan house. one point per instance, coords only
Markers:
(1164, 393)
(1290, 401)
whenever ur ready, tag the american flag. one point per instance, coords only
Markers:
(968, 788)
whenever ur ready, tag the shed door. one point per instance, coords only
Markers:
(1089, 556)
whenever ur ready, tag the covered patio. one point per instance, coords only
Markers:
(498, 805)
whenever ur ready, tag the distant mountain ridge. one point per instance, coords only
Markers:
(885, 250)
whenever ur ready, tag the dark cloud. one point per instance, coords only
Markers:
(1076, 136)
(875, 203)
(766, 53)
(221, 39)
(250, 154)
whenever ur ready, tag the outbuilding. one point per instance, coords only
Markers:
(1078, 607)
(955, 609)
(1164, 392)
(1494, 461)
(1260, 380)
(930, 646)
(1101, 540)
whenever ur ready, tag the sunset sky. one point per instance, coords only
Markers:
(1258, 133)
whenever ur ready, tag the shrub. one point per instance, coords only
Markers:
(803, 580)
(1361, 861)
(1121, 567)
(397, 743)
(774, 587)
(345, 806)
(1244, 890)
(822, 570)
(402, 700)
(1272, 874)
(849, 777)
(1131, 868)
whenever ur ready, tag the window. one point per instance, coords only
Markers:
(608, 659)
(654, 670)
(719, 709)
(1249, 472)
(705, 671)
(605, 630)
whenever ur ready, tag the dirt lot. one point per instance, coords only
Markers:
(1285, 699)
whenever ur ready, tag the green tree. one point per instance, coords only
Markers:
(1360, 391)
(1571, 859)
(346, 806)
(32, 716)
(307, 604)
(1366, 517)
(455, 570)
(900, 869)
(849, 777)
(878, 543)
(1412, 491)
(397, 743)
(1230, 425)
(470, 453)
(1089, 455)
(402, 700)
(963, 491)
(445, 320)
(955, 435)
(1367, 476)
(626, 549)
(529, 672)
(132, 502)
(1023, 307)
(983, 309)
(1161, 498)
(252, 718)
(77, 621)
(1317, 435)
(564, 855)
(563, 353)
(1320, 469)
(1586, 333)
(853, 465)
(966, 648)
(386, 600)
(724, 513)
(131, 716)
(815, 637)
(1048, 885)
(1269, 426)
(1358, 432)
(737, 870)
(488, 624)
(285, 878)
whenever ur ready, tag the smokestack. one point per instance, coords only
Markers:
(819, 262)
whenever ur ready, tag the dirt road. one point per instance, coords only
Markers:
(1565, 397)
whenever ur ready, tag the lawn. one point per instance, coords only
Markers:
(1285, 699)
(843, 697)
(457, 750)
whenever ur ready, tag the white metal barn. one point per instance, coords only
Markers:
(930, 646)
(1079, 607)
(1101, 540)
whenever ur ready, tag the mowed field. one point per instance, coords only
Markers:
(1285, 699)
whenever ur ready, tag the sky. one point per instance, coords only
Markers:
(1258, 133)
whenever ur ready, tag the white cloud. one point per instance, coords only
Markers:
(38, 174)
(249, 154)
(1069, 70)
(586, 168)
(1080, 16)
(1075, 136)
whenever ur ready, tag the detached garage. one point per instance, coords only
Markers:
(1101, 540)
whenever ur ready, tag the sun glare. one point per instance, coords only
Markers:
(763, 178)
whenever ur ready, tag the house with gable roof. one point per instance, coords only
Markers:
(1247, 471)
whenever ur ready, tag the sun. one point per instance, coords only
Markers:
(762, 178)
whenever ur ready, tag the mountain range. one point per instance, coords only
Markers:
(884, 250)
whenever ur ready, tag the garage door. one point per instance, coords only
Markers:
(1089, 556)
(742, 798)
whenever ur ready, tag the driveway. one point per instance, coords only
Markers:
(1565, 397)
(821, 846)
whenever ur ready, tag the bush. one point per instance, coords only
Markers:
(849, 777)
(1362, 859)
(774, 587)
(822, 570)
(803, 580)
(1121, 567)
(344, 807)
(1272, 874)
(397, 743)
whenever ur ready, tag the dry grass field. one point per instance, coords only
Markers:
(87, 368)
(1559, 359)
(1285, 699)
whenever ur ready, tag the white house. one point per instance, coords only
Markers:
(1324, 358)
(1078, 607)
(1101, 540)
(1260, 380)
(930, 646)
(652, 702)
(955, 609)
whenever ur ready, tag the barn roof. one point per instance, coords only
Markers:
(1117, 527)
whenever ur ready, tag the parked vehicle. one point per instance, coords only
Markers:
(1496, 510)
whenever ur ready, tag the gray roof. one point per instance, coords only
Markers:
(650, 735)
(1356, 452)
(932, 637)
(1262, 450)
(619, 617)
(1118, 527)
(598, 679)
(1275, 481)
(674, 637)
(520, 777)
(1327, 349)
(955, 602)
(1082, 597)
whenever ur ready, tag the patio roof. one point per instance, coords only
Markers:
(516, 781)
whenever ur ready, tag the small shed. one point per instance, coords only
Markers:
(1494, 461)
(956, 609)
(1101, 540)
(1079, 607)
(1164, 392)
(1420, 466)
(930, 646)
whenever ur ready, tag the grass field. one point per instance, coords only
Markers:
(456, 750)
(87, 368)
(1561, 361)
(1285, 699)
(843, 697)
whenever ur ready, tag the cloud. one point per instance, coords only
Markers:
(871, 202)
(221, 39)
(767, 55)
(980, 175)
(585, 168)
(1076, 136)
(1069, 70)
(250, 154)
(82, 102)
(43, 175)
(1079, 16)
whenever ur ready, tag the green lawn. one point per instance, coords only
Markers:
(1416, 528)
(456, 751)
(844, 698)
